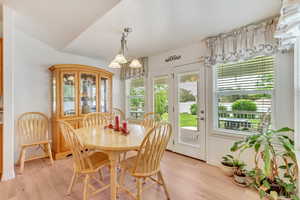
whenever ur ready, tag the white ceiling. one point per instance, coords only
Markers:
(58, 22)
(93, 28)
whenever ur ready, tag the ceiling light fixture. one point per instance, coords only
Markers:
(120, 58)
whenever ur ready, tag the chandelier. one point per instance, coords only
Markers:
(121, 58)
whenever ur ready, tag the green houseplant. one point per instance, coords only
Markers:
(228, 165)
(276, 171)
(239, 172)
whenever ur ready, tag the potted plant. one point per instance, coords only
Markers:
(239, 172)
(227, 165)
(273, 180)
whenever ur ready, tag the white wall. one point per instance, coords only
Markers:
(219, 143)
(32, 87)
(29, 62)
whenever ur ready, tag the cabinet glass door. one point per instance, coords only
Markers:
(69, 94)
(88, 93)
(53, 93)
(104, 94)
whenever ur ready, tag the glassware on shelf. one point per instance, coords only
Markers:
(69, 94)
(88, 93)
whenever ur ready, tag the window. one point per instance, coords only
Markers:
(243, 94)
(135, 98)
(161, 97)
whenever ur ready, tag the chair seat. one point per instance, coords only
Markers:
(130, 164)
(98, 159)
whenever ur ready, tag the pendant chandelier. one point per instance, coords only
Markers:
(121, 58)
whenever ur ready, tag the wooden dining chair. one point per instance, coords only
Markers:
(147, 162)
(97, 119)
(119, 112)
(85, 163)
(33, 130)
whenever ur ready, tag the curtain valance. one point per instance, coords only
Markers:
(288, 28)
(243, 43)
(128, 72)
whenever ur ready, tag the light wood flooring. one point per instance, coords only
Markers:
(186, 178)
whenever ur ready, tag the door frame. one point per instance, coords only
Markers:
(191, 67)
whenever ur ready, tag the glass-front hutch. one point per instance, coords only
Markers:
(76, 91)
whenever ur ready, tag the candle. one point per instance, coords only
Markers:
(117, 123)
(124, 125)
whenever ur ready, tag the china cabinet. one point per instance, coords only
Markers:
(76, 91)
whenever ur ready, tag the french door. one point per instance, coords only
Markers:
(189, 110)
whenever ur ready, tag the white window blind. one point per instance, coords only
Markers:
(243, 92)
(246, 77)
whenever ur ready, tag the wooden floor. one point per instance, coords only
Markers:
(186, 178)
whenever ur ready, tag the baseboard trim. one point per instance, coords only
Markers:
(213, 162)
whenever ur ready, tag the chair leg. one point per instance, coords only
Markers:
(124, 155)
(85, 187)
(164, 184)
(122, 176)
(22, 160)
(74, 177)
(50, 153)
(100, 174)
(20, 157)
(139, 188)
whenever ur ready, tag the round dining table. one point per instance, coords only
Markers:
(112, 143)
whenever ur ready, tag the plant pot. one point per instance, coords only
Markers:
(228, 171)
(240, 179)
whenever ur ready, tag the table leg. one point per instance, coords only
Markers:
(113, 157)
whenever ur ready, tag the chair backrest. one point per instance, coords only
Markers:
(97, 119)
(150, 120)
(148, 123)
(152, 115)
(152, 150)
(117, 111)
(80, 158)
(33, 127)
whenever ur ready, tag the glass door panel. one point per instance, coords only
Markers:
(188, 108)
(88, 93)
(161, 97)
(104, 94)
(69, 94)
(189, 111)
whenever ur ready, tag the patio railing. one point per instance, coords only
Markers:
(240, 120)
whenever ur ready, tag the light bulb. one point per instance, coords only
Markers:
(135, 63)
(115, 65)
(120, 58)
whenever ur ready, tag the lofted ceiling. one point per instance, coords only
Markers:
(58, 22)
(93, 28)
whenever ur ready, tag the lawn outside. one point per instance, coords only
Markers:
(188, 120)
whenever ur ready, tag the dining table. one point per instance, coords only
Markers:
(113, 143)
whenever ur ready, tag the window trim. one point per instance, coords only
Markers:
(216, 131)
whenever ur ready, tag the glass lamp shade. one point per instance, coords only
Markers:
(135, 63)
(115, 65)
(120, 58)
